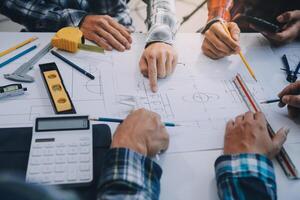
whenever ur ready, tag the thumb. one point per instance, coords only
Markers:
(278, 140)
(292, 100)
(234, 31)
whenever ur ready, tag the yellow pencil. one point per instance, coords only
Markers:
(7, 51)
(241, 55)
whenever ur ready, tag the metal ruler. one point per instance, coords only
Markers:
(20, 75)
(283, 158)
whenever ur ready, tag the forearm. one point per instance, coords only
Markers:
(219, 8)
(161, 21)
(245, 176)
(40, 15)
(129, 175)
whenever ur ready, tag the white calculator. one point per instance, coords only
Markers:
(61, 151)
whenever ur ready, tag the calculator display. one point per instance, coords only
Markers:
(62, 123)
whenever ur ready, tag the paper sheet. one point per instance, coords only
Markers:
(200, 95)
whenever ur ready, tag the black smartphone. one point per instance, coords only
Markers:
(261, 24)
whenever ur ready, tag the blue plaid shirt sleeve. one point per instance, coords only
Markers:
(245, 177)
(41, 16)
(129, 175)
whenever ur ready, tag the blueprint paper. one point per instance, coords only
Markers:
(200, 95)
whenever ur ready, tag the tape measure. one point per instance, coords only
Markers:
(71, 39)
(57, 91)
(283, 158)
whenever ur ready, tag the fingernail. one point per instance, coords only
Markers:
(109, 48)
(154, 88)
(127, 46)
(280, 18)
(285, 99)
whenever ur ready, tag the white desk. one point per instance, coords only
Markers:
(185, 175)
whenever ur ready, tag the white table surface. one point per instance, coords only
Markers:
(186, 175)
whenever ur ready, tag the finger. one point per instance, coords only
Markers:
(169, 64)
(174, 62)
(152, 73)
(293, 112)
(125, 32)
(110, 39)
(292, 88)
(222, 34)
(214, 50)
(259, 116)
(239, 119)
(289, 16)
(285, 36)
(234, 31)
(249, 116)
(278, 140)
(143, 66)
(161, 66)
(229, 126)
(101, 42)
(206, 50)
(217, 43)
(291, 100)
(116, 33)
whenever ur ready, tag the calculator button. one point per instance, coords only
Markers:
(49, 145)
(46, 179)
(72, 159)
(34, 161)
(60, 168)
(84, 159)
(84, 176)
(59, 177)
(84, 167)
(36, 152)
(60, 151)
(84, 143)
(60, 145)
(84, 150)
(85, 139)
(48, 152)
(48, 160)
(72, 150)
(34, 170)
(73, 144)
(72, 173)
(47, 168)
(60, 159)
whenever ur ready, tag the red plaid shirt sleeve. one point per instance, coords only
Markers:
(219, 8)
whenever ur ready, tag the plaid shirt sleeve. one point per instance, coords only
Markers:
(245, 176)
(41, 16)
(219, 8)
(129, 175)
(161, 21)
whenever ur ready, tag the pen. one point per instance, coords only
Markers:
(270, 101)
(241, 55)
(103, 119)
(18, 56)
(7, 51)
(73, 65)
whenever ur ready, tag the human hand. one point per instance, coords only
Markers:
(290, 96)
(142, 131)
(290, 31)
(218, 44)
(158, 61)
(248, 133)
(106, 32)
